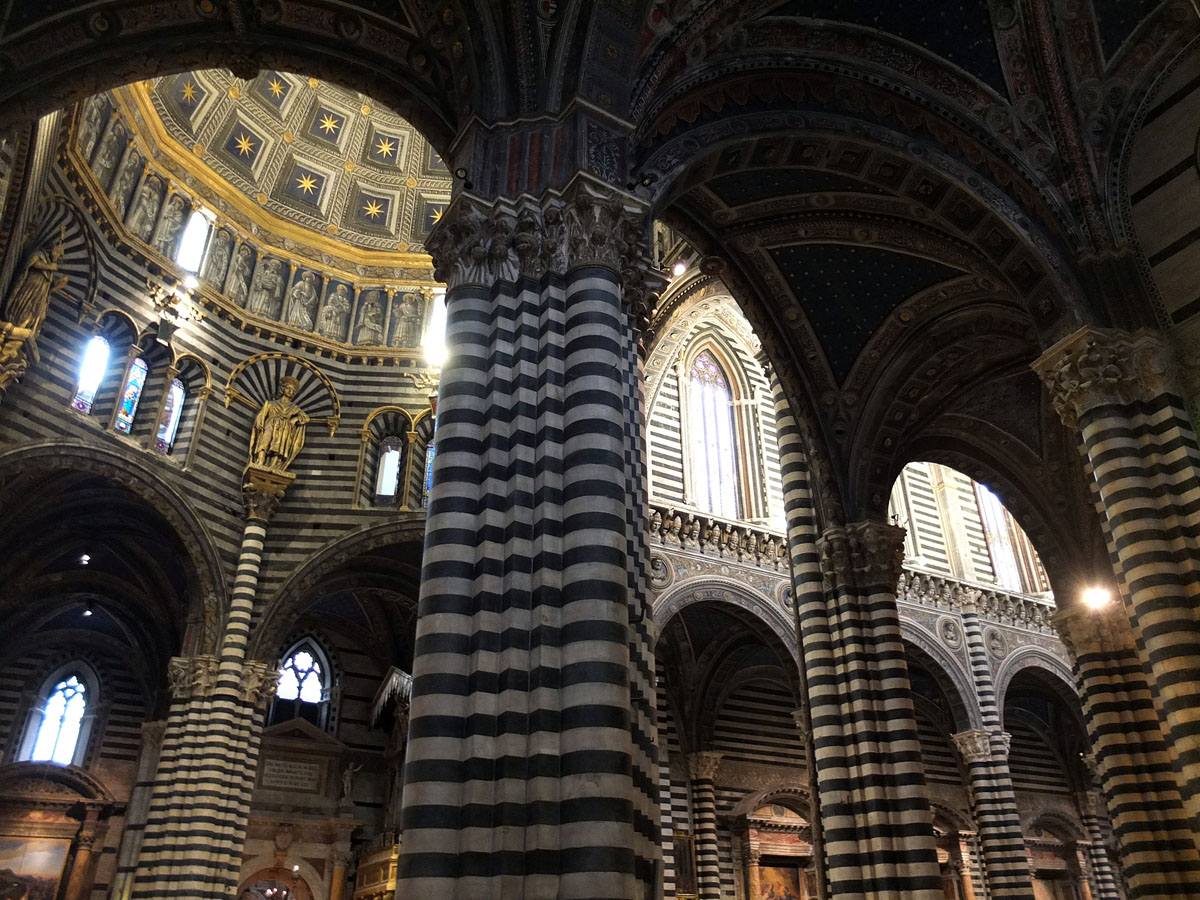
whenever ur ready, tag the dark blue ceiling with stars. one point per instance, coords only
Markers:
(848, 291)
(957, 30)
(1117, 20)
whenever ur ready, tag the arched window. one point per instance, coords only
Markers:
(57, 730)
(168, 422)
(710, 423)
(387, 478)
(191, 247)
(91, 373)
(304, 684)
(131, 395)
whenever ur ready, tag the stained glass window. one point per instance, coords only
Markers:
(62, 718)
(131, 395)
(91, 373)
(710, 422)
(168, 422)
(428, 486)
(302, 677)
(387, 480)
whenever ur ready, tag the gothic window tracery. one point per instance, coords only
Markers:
(304, 685)
(57, 725)
(711, 454)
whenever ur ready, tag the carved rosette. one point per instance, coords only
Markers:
(973, 746)
(262, 491)
(703, 765)
(1101, 366)
(865, 554)
(258, 683)
(588, 224)
(192, 676)
(1086, 631)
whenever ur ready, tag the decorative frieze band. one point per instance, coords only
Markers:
(1100, 366)
(865, 554)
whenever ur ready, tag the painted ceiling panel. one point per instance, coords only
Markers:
(848, 291)
(738, 188)
(1117, 19)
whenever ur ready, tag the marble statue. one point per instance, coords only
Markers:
(408, 329)
(170, 226)
(278, 433)
(333, 316)
(145, 209)
(106, 158)
(89, 127)
(268, 282)
(370, 322)
(124, 184)
(302, 301)
(239, 276)
(218, 258)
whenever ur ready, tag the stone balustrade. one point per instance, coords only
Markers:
(997, 605)
(673, 526)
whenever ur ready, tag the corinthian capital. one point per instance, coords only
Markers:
(1099, 366)
(605, 227)
(192, 676)
(702, 766)
(866, 554)
(258, 682)
(973, 746)
(1094, 631)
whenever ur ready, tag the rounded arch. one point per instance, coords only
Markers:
(727, 592)
(209, 605)
(947, 671)
(795, 797)
(1057, 824)
(74, 779)
(281, 610)
(1058, 676)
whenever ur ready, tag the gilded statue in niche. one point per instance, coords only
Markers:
(302, 301)
(278, 434)
(170, 225)
(268, 283)
(410, 313)
(370, 321)
(145, 208)
(333, 316)
(26, 307)
(239, 275)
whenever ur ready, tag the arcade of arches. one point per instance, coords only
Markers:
(698, 449)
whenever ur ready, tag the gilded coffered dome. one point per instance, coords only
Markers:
(310, 153)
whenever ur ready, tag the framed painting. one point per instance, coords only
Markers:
(779, 883)
(31, 868)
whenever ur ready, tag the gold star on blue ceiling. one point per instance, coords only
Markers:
(327, 125)
(305, 184)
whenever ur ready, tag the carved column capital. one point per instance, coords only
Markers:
(589, 223)
(1086, 631)
(864, 553)
(258, 683)
(1098, 366)
(192, 676)
(702, 766)
(263, 490)
(973, 746)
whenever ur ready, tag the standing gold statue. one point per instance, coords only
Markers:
(278, 433)
(26, 309)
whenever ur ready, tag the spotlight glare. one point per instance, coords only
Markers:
(84, 560)
(679, 268)
(190, 283)
(1096, 598)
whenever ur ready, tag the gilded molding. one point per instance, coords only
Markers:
(865, 554)
(1100, 366)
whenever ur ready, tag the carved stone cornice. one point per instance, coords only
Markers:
(262, 491)
(1100, 366)
(482, 241)
(865, 554)
(1085, 631)
(973, 746)
(258, 683)
(703, 765)
(192, 676)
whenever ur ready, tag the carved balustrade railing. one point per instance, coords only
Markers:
(674, 526)
(994, 604)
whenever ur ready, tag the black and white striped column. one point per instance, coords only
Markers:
(200, 802)
(532, 768)
(1104, 880)
(989, 781)
(1153, 833)
(1117, 388)
(702, 772)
